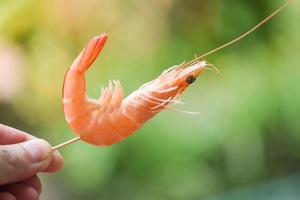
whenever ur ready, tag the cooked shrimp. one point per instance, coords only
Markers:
(110, 118)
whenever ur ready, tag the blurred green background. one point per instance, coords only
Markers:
(245, 144)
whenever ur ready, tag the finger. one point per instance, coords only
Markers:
(10, 135)
(56, 164)
(34, 182)
(22, 191)
(21, 161)
(6, 196)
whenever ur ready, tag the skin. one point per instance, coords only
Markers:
(22, 157)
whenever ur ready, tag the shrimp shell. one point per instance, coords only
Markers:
(110, 118)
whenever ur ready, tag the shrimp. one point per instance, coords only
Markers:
(110, 118)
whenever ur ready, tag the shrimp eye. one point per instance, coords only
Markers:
(190, 79)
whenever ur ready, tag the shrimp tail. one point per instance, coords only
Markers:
(89, 53)
(86, 57)
(75, 100)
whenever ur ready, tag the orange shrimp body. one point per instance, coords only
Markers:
(110, 119)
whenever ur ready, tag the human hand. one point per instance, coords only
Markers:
(22, 156)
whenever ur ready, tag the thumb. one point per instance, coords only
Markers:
(23, 160)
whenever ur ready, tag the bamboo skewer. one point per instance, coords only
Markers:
(66, 143)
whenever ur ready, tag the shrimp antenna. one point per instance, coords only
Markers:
(240, 37)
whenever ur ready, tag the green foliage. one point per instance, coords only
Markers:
(248, 128)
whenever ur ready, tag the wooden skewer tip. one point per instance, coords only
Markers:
(66, 143)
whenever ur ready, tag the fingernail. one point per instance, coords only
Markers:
(38, 149)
